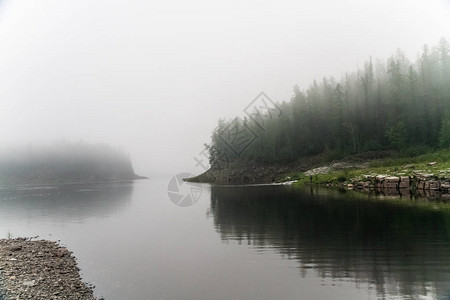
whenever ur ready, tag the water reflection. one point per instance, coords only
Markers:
(400, 250)
(64, 203)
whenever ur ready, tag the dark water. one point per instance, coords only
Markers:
(264, 242)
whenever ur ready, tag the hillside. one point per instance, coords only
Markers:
(391, 106)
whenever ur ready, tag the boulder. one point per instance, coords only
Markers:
(392, 182)
(380, 178)
(404, 182)
(421, 185)
(434, 185)
(445, 187)
(13, 248)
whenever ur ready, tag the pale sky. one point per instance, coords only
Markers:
(153, 77)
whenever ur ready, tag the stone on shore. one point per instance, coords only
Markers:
(39, 270)
(391, 182)
(404, 182)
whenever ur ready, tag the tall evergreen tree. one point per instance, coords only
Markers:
(394, 104)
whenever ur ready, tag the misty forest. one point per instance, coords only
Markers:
(394, 104)
(65, 162)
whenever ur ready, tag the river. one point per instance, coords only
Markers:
(238, 242)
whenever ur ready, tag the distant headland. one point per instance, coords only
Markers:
(64, 162)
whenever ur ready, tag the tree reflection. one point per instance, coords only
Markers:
(400, 249)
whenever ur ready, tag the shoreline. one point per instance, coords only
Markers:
(40, 269)
(424, 180)
(68, 182)
(425, 176)
(252, 172)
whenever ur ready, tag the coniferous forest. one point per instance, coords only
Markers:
(395, 104)
(65, 162)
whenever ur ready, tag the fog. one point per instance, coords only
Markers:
(153, 77)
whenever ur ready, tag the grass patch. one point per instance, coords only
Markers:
(399, 166)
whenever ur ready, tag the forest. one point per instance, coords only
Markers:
(393, 104)
(64, 162)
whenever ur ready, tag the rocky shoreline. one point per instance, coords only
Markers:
(253, 172)
(422, 179)
(421, 184)
(428, 182)
(39, 269)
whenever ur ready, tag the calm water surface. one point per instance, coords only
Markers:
(253, 242)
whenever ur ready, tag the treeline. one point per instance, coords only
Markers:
(65, 162)
(392, 104)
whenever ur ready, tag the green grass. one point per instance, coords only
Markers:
(403, 166)
(442, 157)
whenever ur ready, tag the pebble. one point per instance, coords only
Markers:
(29, 283)
(40, 270)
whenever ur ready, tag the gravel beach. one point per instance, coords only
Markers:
(39, 270)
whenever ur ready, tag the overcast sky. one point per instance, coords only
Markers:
(153, 77)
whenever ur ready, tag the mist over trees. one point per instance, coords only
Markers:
(394, 104)
(65, 162)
